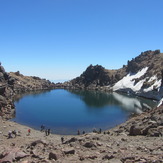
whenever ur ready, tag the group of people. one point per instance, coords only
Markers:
(47, 131)
(78, 133)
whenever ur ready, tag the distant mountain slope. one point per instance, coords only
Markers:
(142, 75)
(23, 83)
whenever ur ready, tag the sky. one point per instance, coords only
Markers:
(59, 39)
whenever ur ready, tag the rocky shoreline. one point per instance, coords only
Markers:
(140, 139)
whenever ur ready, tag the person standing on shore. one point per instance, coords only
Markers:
(49, 131)
(9, 134)
(42, 127)
(29, 132)
(62, 139)
(46, 132)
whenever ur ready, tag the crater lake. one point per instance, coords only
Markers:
(67, 111)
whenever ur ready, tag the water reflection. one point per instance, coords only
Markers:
(129, 103)
(100, 99)
(34, 94)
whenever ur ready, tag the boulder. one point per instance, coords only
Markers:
(135, 131)
(20, 154)
(69, 151)
(53, 156)
(89, 144)
(38, 142)
(73, 139)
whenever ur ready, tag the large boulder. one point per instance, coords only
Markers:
(135, 131)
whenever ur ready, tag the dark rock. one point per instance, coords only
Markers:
(92, 157)
(108, 157)
(2, 69)
(89, 145)
(135, 131)
(69, 151)
(73, 139)
(38, 142)
(53, 156)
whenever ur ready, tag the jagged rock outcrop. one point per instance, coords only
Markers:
(6, 92)
(96, 76)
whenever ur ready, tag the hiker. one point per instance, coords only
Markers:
(42, 127)
(14, 133)
(62, 139)
(9, 134)
(78, 132)
(48, 131)
(83, 132)
(29, 131)
(100, 131)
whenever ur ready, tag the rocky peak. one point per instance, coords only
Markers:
(93, 75)
(145, 59)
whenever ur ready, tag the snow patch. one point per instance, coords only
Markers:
(156, 85)
(152, 78)
(160, 103)
(129, 81)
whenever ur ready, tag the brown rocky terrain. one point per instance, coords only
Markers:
(138, 140)
(14, 83)
(23, 83)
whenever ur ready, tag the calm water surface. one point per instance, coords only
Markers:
(65, 112)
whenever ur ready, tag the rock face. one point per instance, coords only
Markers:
(6, 92)
(96, 76)
(14, 83)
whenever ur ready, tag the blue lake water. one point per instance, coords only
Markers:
(65, 112)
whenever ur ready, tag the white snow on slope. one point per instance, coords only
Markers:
(128, 81)
(160, 103)
(156, 84)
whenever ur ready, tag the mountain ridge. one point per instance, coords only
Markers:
(97, 77)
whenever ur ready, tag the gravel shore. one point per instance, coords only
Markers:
(139, 139)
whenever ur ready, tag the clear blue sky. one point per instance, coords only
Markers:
(58, 39)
